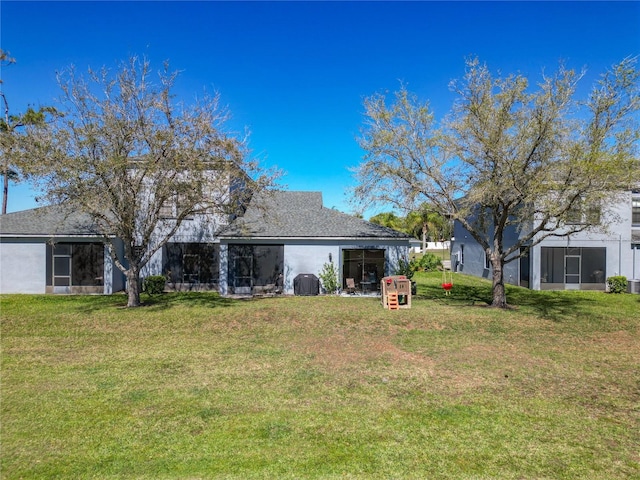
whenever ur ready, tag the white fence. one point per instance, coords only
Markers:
(417, 248)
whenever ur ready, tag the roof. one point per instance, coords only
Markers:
(53, 220)
(270, 215)
(294, 214)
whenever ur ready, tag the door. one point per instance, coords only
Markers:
(243, 271)
(62, 268)
(572, 271)
(525, 267)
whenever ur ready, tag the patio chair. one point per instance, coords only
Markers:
(351, 286)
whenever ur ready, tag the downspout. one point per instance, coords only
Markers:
(620, 256)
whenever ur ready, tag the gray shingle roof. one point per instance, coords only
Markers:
(302, 215)
(274, 215)
(46, 221)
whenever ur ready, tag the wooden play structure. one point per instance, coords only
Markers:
(396, 292)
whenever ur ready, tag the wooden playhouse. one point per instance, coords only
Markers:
(396, 292)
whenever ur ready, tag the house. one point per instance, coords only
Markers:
(293, 233)
(54, 250)
(581, 261)
(280, 236)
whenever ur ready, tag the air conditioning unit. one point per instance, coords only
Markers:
(633, 286)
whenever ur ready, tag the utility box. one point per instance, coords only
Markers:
(398, 286)
(633, 286)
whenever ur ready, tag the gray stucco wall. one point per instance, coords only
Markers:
(114, 280)
(22, 267)
(309, 256)
(307, 259)
(465, 247)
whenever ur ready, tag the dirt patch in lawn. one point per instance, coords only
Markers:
(340, 351)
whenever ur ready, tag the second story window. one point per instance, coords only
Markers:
(583, 214)
(635, 211)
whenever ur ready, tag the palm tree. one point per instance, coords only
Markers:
(427, 224)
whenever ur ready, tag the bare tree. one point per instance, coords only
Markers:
(138, 162)
(507, 156)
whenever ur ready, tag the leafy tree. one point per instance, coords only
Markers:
(388, 219)
(507, 156)
(138, 162)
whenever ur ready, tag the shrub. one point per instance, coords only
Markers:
(406, 268)
(617, 284)
(428, 262)
(154, 284)
(329, 278)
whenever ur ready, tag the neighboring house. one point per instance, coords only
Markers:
(54, 250)
(280, 236)
(582, 261)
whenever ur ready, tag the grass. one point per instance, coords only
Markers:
(198, 386)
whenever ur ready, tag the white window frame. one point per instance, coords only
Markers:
(487, 261)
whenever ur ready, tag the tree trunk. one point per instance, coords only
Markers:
(5, 190)
(498, 292)
(133, 288)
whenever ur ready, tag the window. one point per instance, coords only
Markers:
(191, 262)
(75, 264)
(166, 210)
(635, 211)
(582, 213)
(254, 266)
(487, 261)
(365, 266)
(573, 265)
(87, 264)
(183, 203)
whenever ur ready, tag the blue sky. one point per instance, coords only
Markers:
(296, 73)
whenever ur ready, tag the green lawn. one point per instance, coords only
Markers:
(197, 386)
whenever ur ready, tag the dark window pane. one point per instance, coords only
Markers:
(635, 211)
(594, 265)
(552, 264)
(191, 262)
(363, 265)
(572, 265)
(255, 265)
(61, 266)
(62, 249)
(268, 263)
(87, 264)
